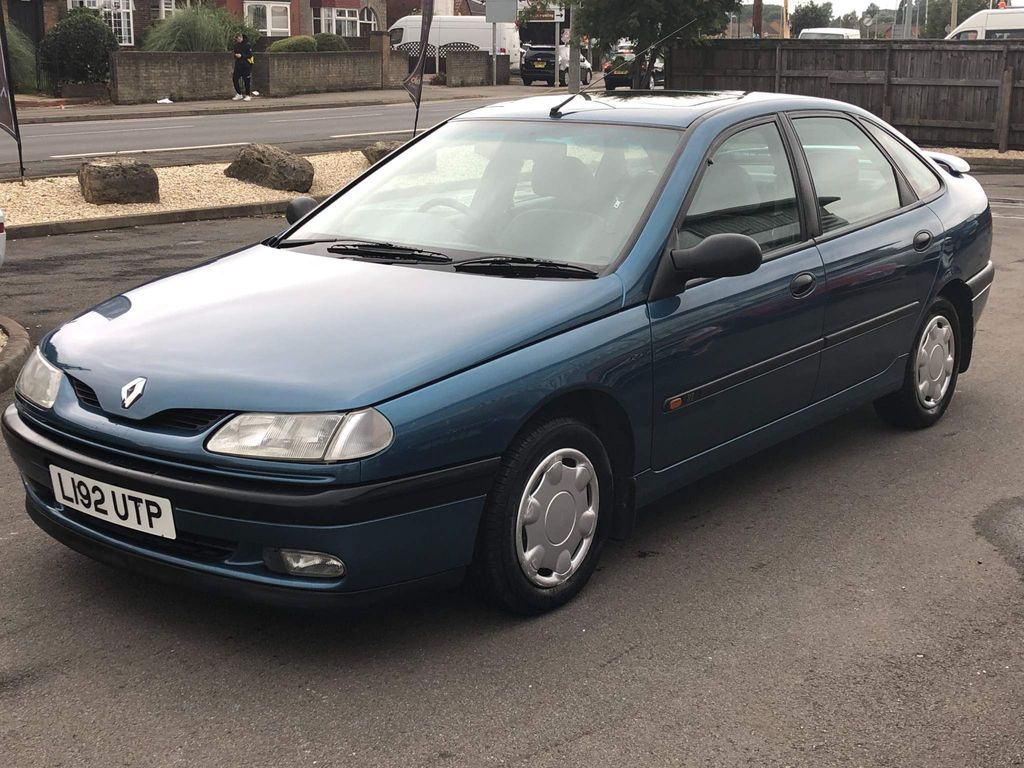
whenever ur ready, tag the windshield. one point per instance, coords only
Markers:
(560, 191)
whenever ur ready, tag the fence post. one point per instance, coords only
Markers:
(778, 68)
(1004, 103)
(886, 106)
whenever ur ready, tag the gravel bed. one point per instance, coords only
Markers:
(58, 198)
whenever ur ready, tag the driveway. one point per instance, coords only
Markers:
(851, 597)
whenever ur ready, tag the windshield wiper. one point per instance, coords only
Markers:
(524, 266)
(374, 249)
(387, 251)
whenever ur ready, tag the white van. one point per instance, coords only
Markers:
(455, 33)
(998, 24)
(829, 33)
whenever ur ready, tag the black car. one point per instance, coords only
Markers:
(539, 64)
(618, 73)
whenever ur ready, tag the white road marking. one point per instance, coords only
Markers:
(328, 117)
(89, 133)
(149, 151)
(370, 133)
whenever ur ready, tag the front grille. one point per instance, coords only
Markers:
(190, 421)
(188, 545)
(86, 395)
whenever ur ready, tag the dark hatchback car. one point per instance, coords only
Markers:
(538, 64)
(483, 355)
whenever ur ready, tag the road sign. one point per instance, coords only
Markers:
(502, 11)
(552, 13)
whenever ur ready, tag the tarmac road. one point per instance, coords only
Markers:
(852, 597)
(54, 148)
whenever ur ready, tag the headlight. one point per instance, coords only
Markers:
(304, 437)
(38, 381)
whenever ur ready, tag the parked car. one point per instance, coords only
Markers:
(993, 24)
(618, 72)
(539, 64)
(487, 351)
(829, 33)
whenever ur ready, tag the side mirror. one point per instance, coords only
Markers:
(298, 208)
(723, 255)
(955, 165)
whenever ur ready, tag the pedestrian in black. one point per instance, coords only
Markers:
(244, 60)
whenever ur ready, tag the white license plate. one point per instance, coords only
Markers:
(120, 506)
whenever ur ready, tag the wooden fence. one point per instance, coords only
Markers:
(938, 93)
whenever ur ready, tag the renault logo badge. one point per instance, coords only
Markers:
(132, 391)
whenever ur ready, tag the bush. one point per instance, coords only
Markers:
(199, 28)
(23, 60)
(325, 41)
(296, 44)
(78, 48)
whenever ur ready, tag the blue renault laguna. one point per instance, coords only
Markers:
(479, 358)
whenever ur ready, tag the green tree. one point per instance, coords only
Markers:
(939, 12)
(23, 59)
(78, 48)
(647, 21)
(199, 28)
(809, 15)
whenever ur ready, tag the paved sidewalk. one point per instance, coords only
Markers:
(29, 114)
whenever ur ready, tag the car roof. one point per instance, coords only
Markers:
(668, 109)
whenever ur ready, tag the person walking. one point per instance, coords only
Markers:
(242, 78)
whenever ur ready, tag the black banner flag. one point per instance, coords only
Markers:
(414, 82)
(8, 112)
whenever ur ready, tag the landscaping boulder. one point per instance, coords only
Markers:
(272, 167)
(379, 150)
(118, 181)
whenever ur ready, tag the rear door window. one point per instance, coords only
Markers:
(853, 180)
(918, 173)
(747, 188)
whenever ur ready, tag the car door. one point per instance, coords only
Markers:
(735, 353)
(880, 247)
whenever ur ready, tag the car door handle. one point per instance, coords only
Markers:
(922, 240)
(803, 284)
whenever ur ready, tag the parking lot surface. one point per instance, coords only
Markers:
(852, 597)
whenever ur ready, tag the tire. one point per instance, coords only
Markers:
(585, 77)
(932, 371)
(527, 81)
(502, 568)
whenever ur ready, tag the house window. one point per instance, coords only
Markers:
(271, 19)
(336, 21)
(367, 22)
(117, 13)
(164, 9)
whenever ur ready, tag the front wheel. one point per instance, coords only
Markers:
(544, 524)
(931, 374)
(585, 77)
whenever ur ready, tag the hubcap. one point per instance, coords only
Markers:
(935, 361)
(557, 517)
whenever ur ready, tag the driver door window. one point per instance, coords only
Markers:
(747, 188)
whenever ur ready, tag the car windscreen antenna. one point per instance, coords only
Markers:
(556, 111)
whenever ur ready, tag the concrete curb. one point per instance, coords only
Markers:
(48, 228)
(14, 353)
(995, 165)
(271, 105)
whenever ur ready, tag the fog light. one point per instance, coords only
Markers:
(298, 562)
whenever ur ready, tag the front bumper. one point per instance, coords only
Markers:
(389, 534)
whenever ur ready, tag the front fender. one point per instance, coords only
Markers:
(476, 413)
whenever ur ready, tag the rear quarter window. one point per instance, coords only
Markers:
(920, 176)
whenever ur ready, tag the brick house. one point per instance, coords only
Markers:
(274, 18)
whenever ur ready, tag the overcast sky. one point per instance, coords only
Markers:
(839, 7)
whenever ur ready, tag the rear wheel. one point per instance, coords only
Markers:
(931, 374)
(527, 81)
(545, 521)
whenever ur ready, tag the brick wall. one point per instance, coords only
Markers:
(140, 77)
(467, 68)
